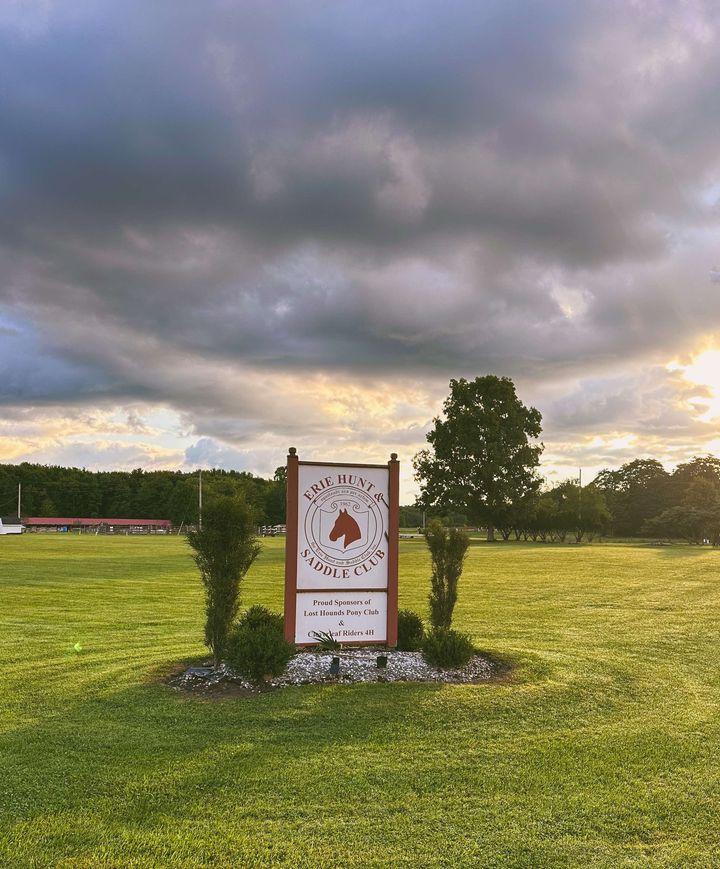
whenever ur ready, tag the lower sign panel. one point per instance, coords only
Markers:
(351, 617)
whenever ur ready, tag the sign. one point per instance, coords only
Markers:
(341, 551)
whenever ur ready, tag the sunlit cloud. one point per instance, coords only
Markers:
(704, 371)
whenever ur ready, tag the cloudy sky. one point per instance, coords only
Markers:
(231, 227)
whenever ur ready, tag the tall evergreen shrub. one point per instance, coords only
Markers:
(448, 548)
(224, 548)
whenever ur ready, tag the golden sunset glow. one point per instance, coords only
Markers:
(703, 371)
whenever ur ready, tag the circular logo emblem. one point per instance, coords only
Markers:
(343, 526)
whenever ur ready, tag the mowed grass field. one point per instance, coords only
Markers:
(603, 749)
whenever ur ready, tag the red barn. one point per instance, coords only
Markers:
(106, 526)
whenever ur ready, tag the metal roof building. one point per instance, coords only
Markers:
(53, 523)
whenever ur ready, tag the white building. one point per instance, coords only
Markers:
(11, 525)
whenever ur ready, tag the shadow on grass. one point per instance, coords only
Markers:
(682, 550)
(98, 748)
(108, 769)
(143, 750)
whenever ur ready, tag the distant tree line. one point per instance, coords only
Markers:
(482, 462)
(639, 499)
(562, 512)
(480, 470)
(644, 499)
(50, 490)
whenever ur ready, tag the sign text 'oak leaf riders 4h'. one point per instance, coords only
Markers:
(341, 555)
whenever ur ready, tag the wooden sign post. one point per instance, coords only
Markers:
(341, 551)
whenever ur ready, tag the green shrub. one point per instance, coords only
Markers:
(256, 646)
(410, 631)
(448, 548)
(225, 547)
(447, 649)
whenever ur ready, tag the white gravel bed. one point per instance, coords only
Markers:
(356, 665)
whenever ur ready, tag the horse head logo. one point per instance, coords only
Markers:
(345, 526)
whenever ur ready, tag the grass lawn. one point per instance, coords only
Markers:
(604, 749)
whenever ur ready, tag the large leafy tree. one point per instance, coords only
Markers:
(634, 493)
(697, 516)
(687, 474)
(481, 460)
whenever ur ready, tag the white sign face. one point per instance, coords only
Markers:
(342, 528)
(341, 556)
(355, 617)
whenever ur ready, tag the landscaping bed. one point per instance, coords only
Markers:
(355, 665)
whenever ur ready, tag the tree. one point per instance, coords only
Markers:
(690, 523)
(547, 516)
(524, 516)
(275, 497)
(581, 511)
(225, 548)
(411, 517)
(448, 548)
(481, 461)
(47, 508)
(699, 468)
(635, 492)
(697, 517)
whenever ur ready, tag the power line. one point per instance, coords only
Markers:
(8, 503)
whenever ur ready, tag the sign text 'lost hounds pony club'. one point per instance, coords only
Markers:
(341, 551)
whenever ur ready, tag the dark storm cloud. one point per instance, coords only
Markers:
(441, 188)
(31, 371)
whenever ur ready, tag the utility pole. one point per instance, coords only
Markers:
(19, 499)
(200, 501)
(580, 497)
